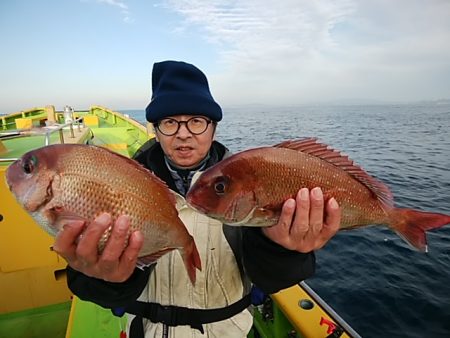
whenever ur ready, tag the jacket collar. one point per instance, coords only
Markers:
(151, 156)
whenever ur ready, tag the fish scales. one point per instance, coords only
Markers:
(88, 189)
(250, 187)
(296, 170)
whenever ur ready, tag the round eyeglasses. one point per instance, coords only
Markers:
(195, 125)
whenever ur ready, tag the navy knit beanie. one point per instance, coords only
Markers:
(180, 88)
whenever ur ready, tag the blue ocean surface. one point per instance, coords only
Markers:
(370, 276)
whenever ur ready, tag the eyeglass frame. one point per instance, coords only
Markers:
(208, 122)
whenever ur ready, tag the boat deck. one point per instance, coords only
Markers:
(16, 143)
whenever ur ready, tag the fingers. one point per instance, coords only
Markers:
(279, 233)
(309, 213)
(87, 249)
(117, 241)
(65, 242)
(316, 211)
(109, 259)
(301, 219)
(287, 213)
(119, 257)
(78, 244)
(308, 223)
(332, 219)
(130, 255)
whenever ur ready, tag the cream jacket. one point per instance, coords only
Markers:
(218, 284)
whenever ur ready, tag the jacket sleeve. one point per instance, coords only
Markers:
(107, 294)
(272, 267)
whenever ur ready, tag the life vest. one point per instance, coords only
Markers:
(221, 288)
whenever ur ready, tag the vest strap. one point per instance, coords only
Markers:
(177, 315)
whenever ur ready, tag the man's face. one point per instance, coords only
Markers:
(184, 148)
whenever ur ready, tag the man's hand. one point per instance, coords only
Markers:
(302, 226)
(117, 261)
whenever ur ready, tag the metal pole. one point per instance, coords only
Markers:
(71, 130)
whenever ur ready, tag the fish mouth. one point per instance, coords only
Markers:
(196, 207)
(200, 207)
(206, 212)
(11, 176)
(190, 200)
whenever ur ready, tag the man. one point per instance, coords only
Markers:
(161, 298)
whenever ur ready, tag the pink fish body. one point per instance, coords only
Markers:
(59, 183)
(250, 187)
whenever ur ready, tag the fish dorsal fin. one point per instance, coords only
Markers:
(311, 147)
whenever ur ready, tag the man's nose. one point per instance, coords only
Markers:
(183, 131)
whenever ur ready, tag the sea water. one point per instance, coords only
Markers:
(370, 276)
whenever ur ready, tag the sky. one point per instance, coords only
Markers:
(275, 52)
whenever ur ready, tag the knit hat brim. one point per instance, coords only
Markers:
(172, 104)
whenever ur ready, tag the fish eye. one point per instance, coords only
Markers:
(220, 186)
(29, 164)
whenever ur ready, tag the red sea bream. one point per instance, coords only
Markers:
(250, 187)
(59, 183)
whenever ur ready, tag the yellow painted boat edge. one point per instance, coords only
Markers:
(312, 320)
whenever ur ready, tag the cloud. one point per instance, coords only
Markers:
(297, 50)
(126, 15)
(265, 30)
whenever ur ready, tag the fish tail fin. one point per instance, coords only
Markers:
(411, 225)
(191, 259)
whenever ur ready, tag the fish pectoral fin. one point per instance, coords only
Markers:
(62, 220)
(57, 216)
(259, 217)
(265, 217)
(150, 259)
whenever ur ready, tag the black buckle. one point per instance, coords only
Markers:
(165, 314)
(173, 316)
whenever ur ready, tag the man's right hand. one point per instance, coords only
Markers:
(77, 244)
